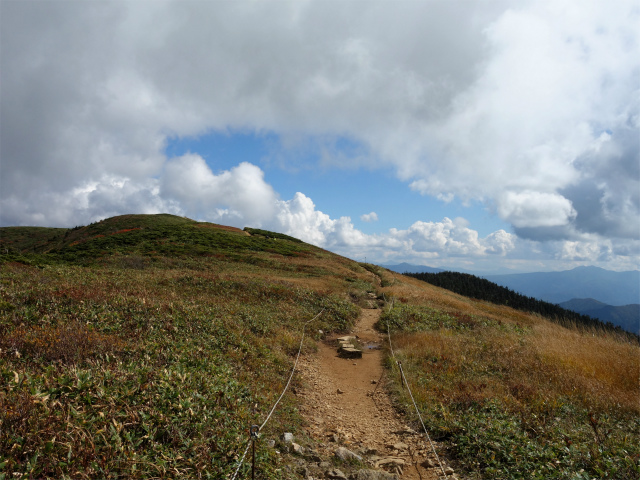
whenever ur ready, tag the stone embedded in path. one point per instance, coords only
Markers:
(349, 352)
(298, 449)
(336, 474)
(347, 349)
(428, 463)
(390, 462)
(345, 454)
(347, 339)
(366, 474)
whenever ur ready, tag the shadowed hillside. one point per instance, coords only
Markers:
(626, 316)
(146, 345)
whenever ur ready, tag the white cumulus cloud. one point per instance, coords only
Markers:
(369, 217)
(532, 108)
(239, 196)
(535, 209)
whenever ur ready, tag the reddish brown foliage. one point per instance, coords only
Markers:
(69, 343)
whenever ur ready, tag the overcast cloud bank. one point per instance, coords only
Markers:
(532, 108)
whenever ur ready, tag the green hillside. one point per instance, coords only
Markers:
(155, 237)
(145, 346)
(155, 337)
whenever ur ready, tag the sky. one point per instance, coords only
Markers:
(491, 136)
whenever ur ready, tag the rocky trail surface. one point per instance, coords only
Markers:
(349, 413)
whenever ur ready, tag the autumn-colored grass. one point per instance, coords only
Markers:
(148, 365)
(69, 343)
(515, 395)
(606, 366)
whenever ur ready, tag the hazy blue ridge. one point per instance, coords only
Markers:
(602, 294)
(611, 288)
(606, 286)
(409, 268)
(624, 316)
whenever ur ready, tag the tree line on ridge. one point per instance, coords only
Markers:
(482, 289)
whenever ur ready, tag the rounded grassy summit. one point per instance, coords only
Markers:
(152, 236)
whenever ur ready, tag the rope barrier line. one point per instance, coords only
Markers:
(404, 380)
(421, 422)
(390, 346)
(255, 434)
(242, 459)
(292, 370)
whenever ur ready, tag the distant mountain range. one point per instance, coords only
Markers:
(410, 268)
(625, 316)
(612, 288)
(604, 294)
(606, 286)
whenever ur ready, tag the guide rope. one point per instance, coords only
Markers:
(242, 459)
(292, 370)
(255, 432)
(405, 382)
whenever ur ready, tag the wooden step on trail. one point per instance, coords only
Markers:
(347, 349)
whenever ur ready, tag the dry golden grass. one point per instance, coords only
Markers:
(548, 359)
(602, 364)
(518, 395)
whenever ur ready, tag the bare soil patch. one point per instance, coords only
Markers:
(346, 404)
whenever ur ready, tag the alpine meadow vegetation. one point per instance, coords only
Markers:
(145, 346)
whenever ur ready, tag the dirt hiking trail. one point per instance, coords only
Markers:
(346, 405)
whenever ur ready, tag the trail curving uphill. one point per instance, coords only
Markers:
(346, 405)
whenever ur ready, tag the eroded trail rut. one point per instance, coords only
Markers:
(345, 403)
